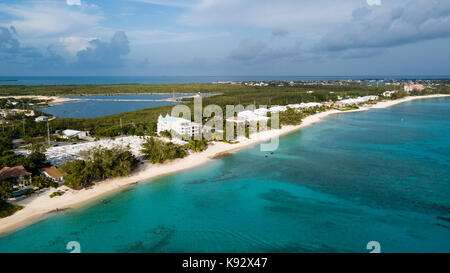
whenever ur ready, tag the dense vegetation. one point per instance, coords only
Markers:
(32, 163)
(197, 145)
(98, 164)
(158, 151)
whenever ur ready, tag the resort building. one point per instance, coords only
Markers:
(180, 126)
(276, 109)
(412, 87)
(236, 120)
(261, 111)
(328, 104)
(68, 134)
(18, 175)
(251, 116)
(359, 100)
(54, 174)
(305, 105)
(41, 119)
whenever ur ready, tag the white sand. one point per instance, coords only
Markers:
(38, 207)
(53, 100)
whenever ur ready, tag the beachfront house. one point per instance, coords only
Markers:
(180, 126)
(412, 87)
(41, 119)
(54, 174)
(18, 176)
(68, 134)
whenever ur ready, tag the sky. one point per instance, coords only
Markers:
(224, 37)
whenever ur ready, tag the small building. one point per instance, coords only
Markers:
(18, 175)
(54, 174)
(41, 119)
(68, 134)
(412, 87)
(180, 126)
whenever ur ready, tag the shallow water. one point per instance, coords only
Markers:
(381, 175)
(96, 108)
(99, 106)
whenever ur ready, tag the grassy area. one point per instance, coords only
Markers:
(7, 209)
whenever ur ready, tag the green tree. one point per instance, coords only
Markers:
(197, 145)
(98, 164)
(158, 151)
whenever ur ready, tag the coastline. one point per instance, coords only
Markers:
(40, 206)
(53, 100)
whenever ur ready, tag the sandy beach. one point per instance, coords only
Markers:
(38, 207)
(53, 100)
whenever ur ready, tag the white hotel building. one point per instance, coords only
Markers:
(180, 126)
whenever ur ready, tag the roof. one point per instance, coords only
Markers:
(261, 111)
(14, 172)
(69, 132)
(236, 119)
(168, 118)
(278, 109)
(54, 172)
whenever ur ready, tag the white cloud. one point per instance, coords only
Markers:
(148, 37)
(374, 2)
(75, 44)
(298, 15)
(418, 20)
(73, 2)
(51, 19)
(172, 3)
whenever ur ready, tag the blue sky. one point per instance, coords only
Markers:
(224, 37)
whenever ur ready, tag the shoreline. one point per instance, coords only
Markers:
(53, 100)
(41, 206)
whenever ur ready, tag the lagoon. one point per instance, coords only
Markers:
(381, 175)
(99, 106)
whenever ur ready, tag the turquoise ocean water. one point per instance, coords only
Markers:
(381, 175)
